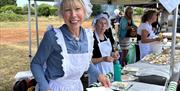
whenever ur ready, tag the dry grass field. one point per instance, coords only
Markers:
(14, 47)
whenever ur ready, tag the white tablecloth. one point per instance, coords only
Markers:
(154, 69)
(138, 86)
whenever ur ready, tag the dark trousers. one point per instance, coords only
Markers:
(123, 58)
(137, 52)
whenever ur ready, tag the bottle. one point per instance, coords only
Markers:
(117, 71)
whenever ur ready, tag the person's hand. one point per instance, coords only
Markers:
(104, 80)
(108, 59)
(48, 89)
(158, 39)
(115, 55)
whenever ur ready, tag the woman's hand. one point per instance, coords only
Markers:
(115, 55)
(108, 59)
(158, 39)
(104, 80)
(48, 89)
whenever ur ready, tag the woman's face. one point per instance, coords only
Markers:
(101, 25)
(129, 13)
(73, 14)
(154, 17)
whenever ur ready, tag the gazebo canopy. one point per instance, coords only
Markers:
(134, 3)
(116, 2)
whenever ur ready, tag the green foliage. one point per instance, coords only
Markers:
(25, 10)
(8, 8)
(44, 10)
(18, 10)
(7, 2)
(96, 9)
(10, 16)
(53, 10)
(138, 11)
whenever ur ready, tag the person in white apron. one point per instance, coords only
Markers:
(73, 70)
(146, 33)
(105, 48)
(103, 63)
(66, 51)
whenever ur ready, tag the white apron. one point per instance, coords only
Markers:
(145, 48)
(74, 65)
(103, 67)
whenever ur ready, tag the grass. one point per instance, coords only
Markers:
(14, 58)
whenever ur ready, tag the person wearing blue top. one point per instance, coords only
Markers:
(65, 53)
(126, 24)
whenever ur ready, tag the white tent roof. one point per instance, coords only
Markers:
(114, 1)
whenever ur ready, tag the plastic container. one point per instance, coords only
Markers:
(156, 47)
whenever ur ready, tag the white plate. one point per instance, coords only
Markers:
(126, 78)
(131, 69)
(99, 89)
(119, 85)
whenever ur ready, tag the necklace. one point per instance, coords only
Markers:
(75, 37)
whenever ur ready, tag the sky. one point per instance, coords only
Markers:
(22, 3)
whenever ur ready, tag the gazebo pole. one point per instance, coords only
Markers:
(173, 41)
(29, 29)
(37, 30)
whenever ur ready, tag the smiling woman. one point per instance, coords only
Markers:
(66, 58)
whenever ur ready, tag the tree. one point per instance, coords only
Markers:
(138, 11)
(44, 10)
(8, 8)
(53, 10)
(96, 9)
(25, 9)
(19, 10)
(7, 2)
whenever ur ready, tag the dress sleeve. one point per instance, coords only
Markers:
(92, 70)
(40, 58)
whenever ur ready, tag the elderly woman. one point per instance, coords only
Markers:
(102, 54)
(66, 51)
(145, 33)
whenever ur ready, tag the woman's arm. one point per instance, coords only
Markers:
(100, 77)
(39, 60)
(144, 37)
(102, 59)
(97, 60)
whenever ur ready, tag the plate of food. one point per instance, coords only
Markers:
(119, 85)
(130, 70)
(160, 59)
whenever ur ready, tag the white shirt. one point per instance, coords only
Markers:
(144, 26)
